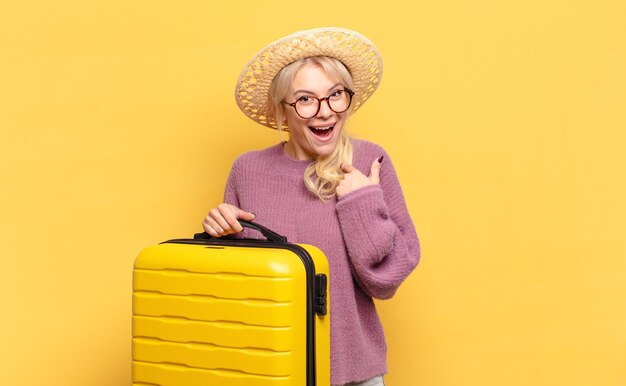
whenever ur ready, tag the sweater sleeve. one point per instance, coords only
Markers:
(230, 191)
(382, 244)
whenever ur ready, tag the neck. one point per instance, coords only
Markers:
(292, 152)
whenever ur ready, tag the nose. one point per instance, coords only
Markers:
(325, 110)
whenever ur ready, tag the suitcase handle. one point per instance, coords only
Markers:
(269, 234)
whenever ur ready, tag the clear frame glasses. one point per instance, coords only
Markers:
(308, 106)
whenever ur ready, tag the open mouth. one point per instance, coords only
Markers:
(322, 132)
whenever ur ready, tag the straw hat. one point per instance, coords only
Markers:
(355, 51)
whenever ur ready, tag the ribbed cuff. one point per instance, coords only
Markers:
(364, 219)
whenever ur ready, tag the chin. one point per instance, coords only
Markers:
(323, 150)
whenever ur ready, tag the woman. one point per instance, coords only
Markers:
(322, 188)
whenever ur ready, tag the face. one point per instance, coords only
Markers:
(318, 136)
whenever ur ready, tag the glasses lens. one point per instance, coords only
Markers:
(307, 107)
(339, 101)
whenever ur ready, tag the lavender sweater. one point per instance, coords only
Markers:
(367, 236)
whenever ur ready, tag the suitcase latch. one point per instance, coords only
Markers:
(320, 294)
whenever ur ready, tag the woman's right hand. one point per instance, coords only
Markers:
(222, 220)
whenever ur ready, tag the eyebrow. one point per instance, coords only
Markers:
(312, 93)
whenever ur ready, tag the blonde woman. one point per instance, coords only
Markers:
(322, 188)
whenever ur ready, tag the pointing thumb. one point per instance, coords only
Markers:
(375, 172)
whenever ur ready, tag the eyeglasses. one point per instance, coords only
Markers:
(308, 106)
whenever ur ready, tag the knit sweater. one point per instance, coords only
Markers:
(367, 236)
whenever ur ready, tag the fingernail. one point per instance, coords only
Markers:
(380, 159)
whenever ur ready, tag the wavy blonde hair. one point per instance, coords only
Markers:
(324, 174)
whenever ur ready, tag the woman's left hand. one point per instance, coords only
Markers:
(353, 179)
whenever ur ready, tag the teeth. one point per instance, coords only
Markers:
(322, 128)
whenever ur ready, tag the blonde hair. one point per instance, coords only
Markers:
(324, 174)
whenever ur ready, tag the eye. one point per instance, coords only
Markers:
(305, 100)
(336, 94)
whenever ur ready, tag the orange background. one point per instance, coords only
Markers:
(505, 120)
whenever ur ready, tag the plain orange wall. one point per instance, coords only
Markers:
(506, 121)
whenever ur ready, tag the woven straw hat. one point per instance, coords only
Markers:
(354, 50)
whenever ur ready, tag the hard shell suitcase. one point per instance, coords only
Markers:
(231, 312)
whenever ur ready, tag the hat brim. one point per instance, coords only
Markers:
(355, 51)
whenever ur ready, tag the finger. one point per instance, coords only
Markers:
(208, 229)
(211, 227)
(219, 219)
(375, 172)
(242, 214)
(347, 168)
(231, 215)
(228, 220)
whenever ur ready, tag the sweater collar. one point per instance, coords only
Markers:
(286, 160)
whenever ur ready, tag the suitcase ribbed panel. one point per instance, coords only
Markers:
(223, 285)
(173, 375)
(208, 308)
(201, 355)
(225, 316)
(223, 334)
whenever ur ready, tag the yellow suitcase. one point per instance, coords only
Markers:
(231, 312)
